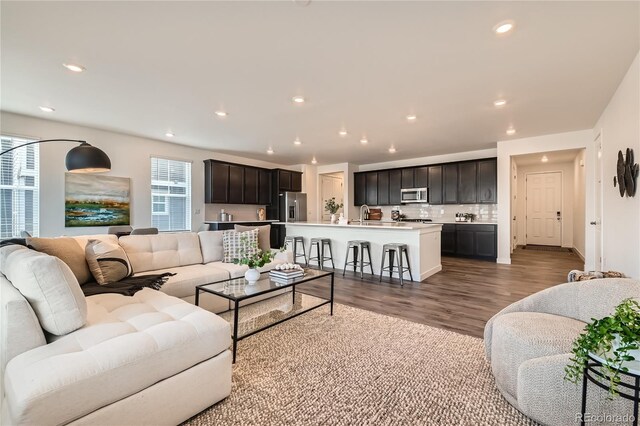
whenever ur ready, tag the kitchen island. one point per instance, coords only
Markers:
(423, 241)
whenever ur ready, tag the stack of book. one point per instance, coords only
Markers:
(286, 275)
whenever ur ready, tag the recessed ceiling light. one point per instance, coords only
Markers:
(169, 134)
(392, 149)
(298, 99)
(314, 161)
(503, 27)
(511, 131)
(499, 103)
(364, 141)
(343, 133)
(74, 67)
(411, 117)
(297, 142)
(221, 113)
(544, 159)
(46, 108)
(270, 151)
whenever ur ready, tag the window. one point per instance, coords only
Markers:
(19, 188)
(170, 194)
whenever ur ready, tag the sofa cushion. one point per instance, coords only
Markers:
(264, 235)
(161, 251)
(51, 289)
(211, 246)
(184, 283)
(234, 271)
(521, 336)
(128, 344)
(238, 244)
(66, 249)
(108, 262)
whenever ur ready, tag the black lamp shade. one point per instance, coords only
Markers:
(87, 159)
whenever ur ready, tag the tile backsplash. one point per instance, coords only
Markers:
(446, 212)
(239, 211)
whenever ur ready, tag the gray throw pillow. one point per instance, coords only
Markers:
(108, 262)
(264, 235)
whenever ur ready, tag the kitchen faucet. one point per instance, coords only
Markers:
(361, 215)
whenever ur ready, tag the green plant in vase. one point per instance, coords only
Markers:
(332, 207)
(615, 339)
(253, 257)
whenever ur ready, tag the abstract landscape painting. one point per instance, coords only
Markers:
(95, 200)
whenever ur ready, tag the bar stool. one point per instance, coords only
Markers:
(319, 244)
(397, 249)
(295, 240)
(358, 247)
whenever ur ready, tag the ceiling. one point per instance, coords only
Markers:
(153, 67)
(553, 157)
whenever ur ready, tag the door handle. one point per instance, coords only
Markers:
(593, 222)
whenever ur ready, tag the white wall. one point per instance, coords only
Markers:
(579, 206)
(347, 170)
(567, 199)
(310, 186)
(509, 148)
(130, 157)
(619, 125)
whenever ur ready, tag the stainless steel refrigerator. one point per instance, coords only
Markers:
(293, 207)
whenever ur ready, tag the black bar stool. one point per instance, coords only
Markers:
(320, 244)
(396, 249)
(358, 247)
(295, 240)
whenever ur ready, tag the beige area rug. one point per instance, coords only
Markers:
(360, 368)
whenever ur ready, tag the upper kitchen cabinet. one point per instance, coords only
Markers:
(395, 185)
(450, 183)
(288, 180)
(487, 181)
(467, 175)
(251, 185)
(408, 178)
(264, 186)
(421, 177)
(359, 189)
(216, 182)
(435, 185)
(383, 188)
(372, 188)
(236, 184)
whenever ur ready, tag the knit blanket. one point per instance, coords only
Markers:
(127, 286)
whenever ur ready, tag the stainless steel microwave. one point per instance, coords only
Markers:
(414, 195)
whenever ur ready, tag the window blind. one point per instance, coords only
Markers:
(170, 194)
(19, 188)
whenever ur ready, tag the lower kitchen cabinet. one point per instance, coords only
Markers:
(465, 240)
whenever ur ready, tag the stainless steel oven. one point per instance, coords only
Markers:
(414, 195)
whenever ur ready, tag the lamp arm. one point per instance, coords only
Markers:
(41, 141)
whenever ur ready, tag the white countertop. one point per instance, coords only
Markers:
(400, 226)
(241, 221)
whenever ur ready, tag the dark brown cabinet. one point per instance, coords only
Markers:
(372, 189)
(450, 183)
(360, 189)
(485, 241)
(478, 241)
(250, 185)
(395, 185)
(421, 177)
(216, 182)
(284, 180)
(448, 239)
(435, 185)
(288, 180)
(264, 186)
(236, 184)
(464, 240)
(296, 182)
(487, 181)
(408, 178)
(383, 188)
(467, 182)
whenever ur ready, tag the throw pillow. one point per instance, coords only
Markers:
(67, 250)
(234, 244)
(51, 289)
(108, 262)
(211, 245)
(264, 235)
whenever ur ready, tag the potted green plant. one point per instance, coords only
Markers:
(332, 207)
(253, 257)
(615, 339)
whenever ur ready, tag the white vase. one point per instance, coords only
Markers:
(252, 275)
(333, 218)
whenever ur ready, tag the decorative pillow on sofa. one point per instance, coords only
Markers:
(235, 243)
(108, 262)
(66, 249)
(264, 235)
(211, 246)
(51, 289)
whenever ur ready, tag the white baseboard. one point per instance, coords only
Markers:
(504, 260)
(580, 255)
(430, 272)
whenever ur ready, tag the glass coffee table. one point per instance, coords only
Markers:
(266, 312)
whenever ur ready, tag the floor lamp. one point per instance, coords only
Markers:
(84, 158)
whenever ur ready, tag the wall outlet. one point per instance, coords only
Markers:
(197, 211)
(441, 211)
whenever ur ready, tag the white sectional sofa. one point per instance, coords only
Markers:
(152, 358)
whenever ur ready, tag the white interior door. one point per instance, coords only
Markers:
(544, 208)
(597, 222)
(514, 205)
(331, 186)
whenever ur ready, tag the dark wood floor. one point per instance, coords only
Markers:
(464, 295)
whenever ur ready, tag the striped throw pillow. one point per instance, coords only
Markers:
(235, 244)
(107, 261)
